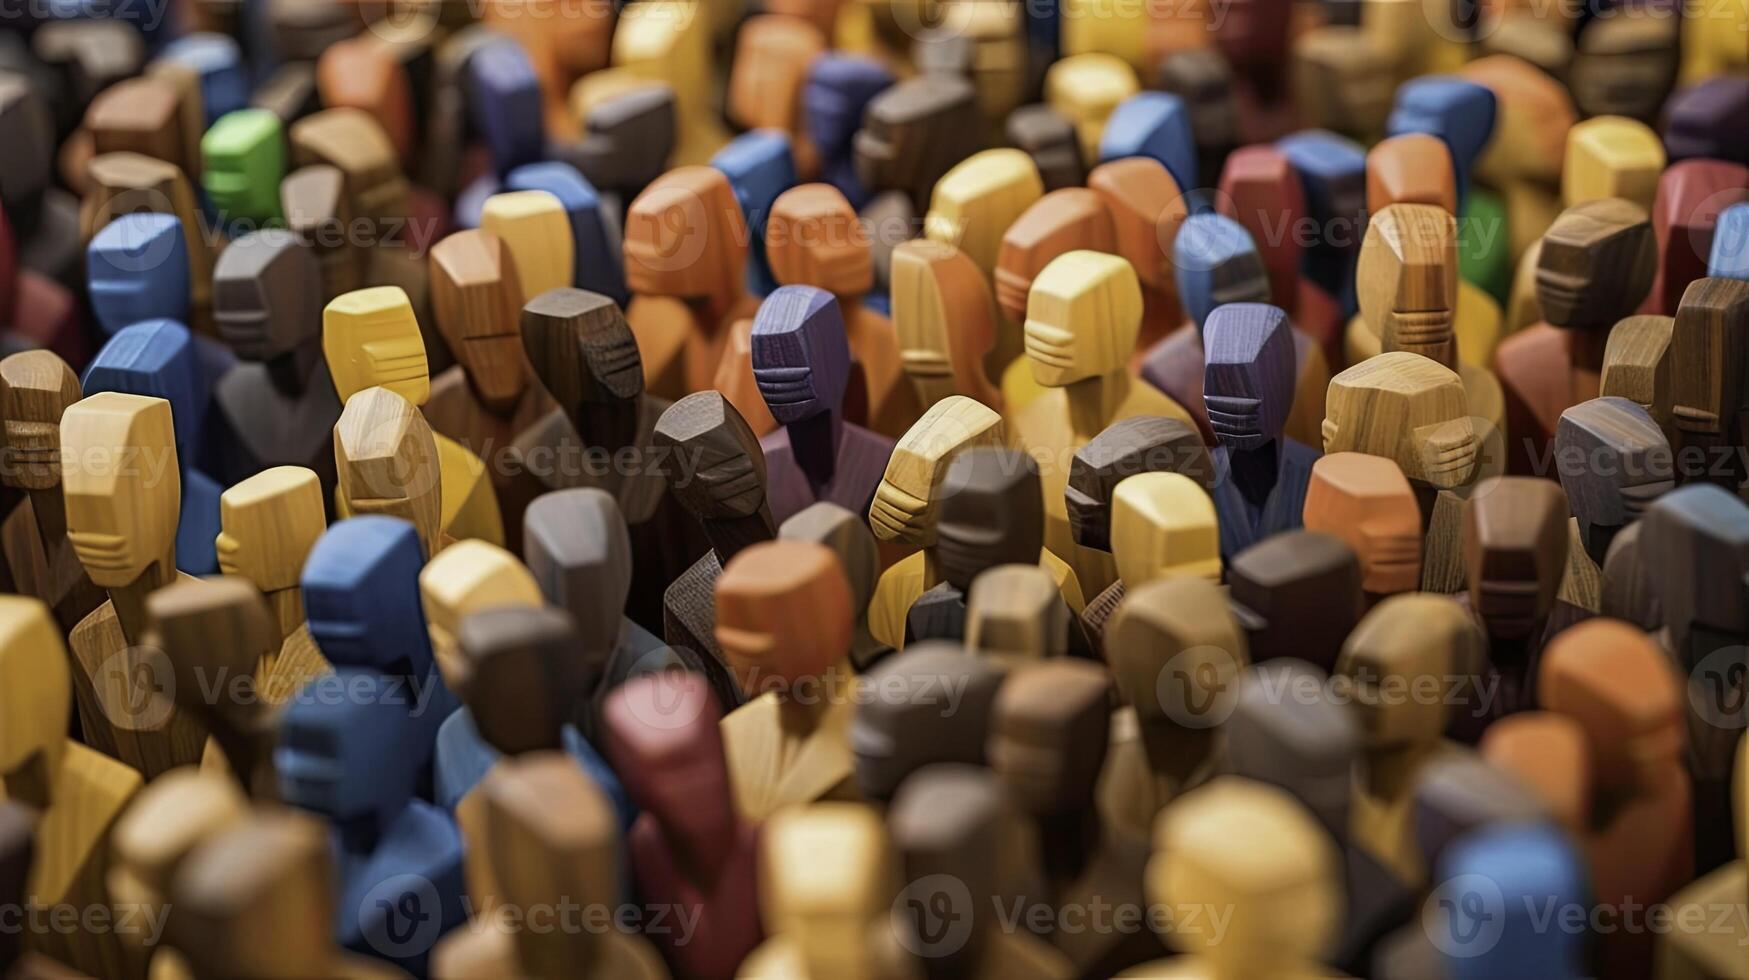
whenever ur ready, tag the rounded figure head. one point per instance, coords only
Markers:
(1016, 614)
(941, 313)
(1407, 280)
(1049, 734)
(477, 299)
(1148, 210)
(1515, 552)
(1061, 221)
(827, 916)
(1408, 409)
(1596, 264)
(1248, 373)
(1366, 501)
(1215, 262)
(268, 524)
(1164, 524)
(685, 236)
(1307, 745)
(1297, 594)
(36, 389)
(1138, 444)
(992, 513)
(138, 270)
(156, 358)
(801, 354)
(361, 596)
(122, 487)
(824, 522)
(267, 294)
(371, 339)
(1176, 654)
(1407, 643)
(578, 549)
(727, 479)
(1613, 461)
(1613, 680)
(521, 675)
(907, 501)
(1531, 865)
(166, 822)
(468, 577)
(662, 735)
(765, 643)
(905, 722)
(345, 758)
(386, 458)
(38, 685)
(814, 239)
(1082, 318)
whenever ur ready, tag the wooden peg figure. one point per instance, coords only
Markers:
(122, 522)
(1366, 501)
(76, 792)
(1413, 168)
(1015, 614)
(1248, 381)
(318, 212)
(36, 389)
(371, 338)
(671, 43)
(848, 535)
(1162, 524)
(1637, 366)
(813, 239)
(689, 846)
(725, 492)
(914, 133)
(905, 723)
(1611, 156)
(1429, 433)
(387, 461)
(1061, 221)
(785, 746)
(268, 524)
(1148, 209)
(1082, 318)
(1405, 641)
(1712, 952)
(1692, 194)
(1707, 380)
(1177, 658)
(770, 66)
(942, 313)
(1296, 594)
(467, 577)
(1139, 444)
(1252, 849)
(355, 143)
(1627, 66)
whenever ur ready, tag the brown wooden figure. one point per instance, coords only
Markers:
(927, 704)
(1366, 501)
(1204, 79)
(355, 143)
(278, 406)
(849, 537)
(75, 792)
(788, 743)
(1414, 168)
(1342, 81)
(319, 213)
(123, 495)
(1138, 444)
(770, 67)
(1162, 524)
(949, 824)
(1637, 366)
(36, 388)
(685, 251)
(1597, 261)
(1147, 208)
(1406, 408)
(814, 239)
(1627, 593)
(629, 135)
(468, 577)
(524, 674)
(1626, 67)
(1061, 221)
(268, 524)
(1049, 138)
(1015, 614)
(1296, 594)
(1176, 660)
(1082, 317)
(1707, 379)
(1696, 955)
(915, 132)
(142, 115)
(1406, 643)
(362, 73)
(1685, 215)
(387, 462)
(942, 313)
(1048, 742)
(689, 846)
(724, 489)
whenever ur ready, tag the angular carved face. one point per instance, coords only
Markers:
(1174, 661)
(387, 462)
(1139, 444)
(1408, 280)
(1613, 461)
(268, 524)
(765, 643)
(1515, 548)
(716, 467)
(814, 239)
(1431, 436)
(904, 723)
(941, 314)
(267, 294)
(991, 514)
(361, 594)
(122, 486)
(1163, 524)
(477, 299)
(1406, 644)
(1366, 501)
(371, 340)
(801, 354)
(337, 758)
(905, 507)
(1596, 263)
(1248, 373)
(36, 388)
(685, 236)
(1049, 734)
(1082, 318)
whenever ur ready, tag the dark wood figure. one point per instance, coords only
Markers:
(1613, 462)
(801, 362)
(318, 211)
(723, 487)
(907, 722)
(1139, 444)
(948, 824)
(627, 140)
(44, 217)
(1048, 740)
(1016, 614)
(1296, 594)
(585, 355)
(848, 535)
(1597, 262)
(1049, 138)
(1308, 745)
(916, 131)
(1626, 65)
(1204, 80)
(1707, 353)
(1248, 386)
(36, 387)
(278, 406)
(689, 847)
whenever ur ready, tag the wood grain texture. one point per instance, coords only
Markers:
(388, 463)
(942, 314)
(1342, 81)
(125, 182)
(1611, 157)
(1297, 594)
(1408, 409)
(355, 143)
(1612, 461)
(1709, 332)
(1414, 168)
(467, 577)
(318, 210)
(849, 537)
(1147, 209)
(1139, 444)
(1407, 279)
(1367, 502)
(971, 208)
(141, 115)
(269, 523)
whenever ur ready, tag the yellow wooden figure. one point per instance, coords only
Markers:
(1082, 318)
(971, 209)
(1109, 27)
(1612, 156)
(371, 338)
(76, 791)
(944, 316)
(464, 578)
(124, 496)
(1163, 524)
(1086, 88)
(268, 524)
(1406, 408)
(536, 229)
(1016, 614)
(670, 41)
(1715, 40)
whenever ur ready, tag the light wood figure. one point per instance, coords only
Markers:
(1611, 156)
(371, 339)
(945, 320)
(670, 42)
(535, 229)
(1177, 659)
(76, 792)
(1716, 953)
(1408, 409)
(1253, 850)
(1342, 81)
(388, 464)
(143, 115)
(1086, 89)
(1366, 501)
(1406, 643)
(1162, 524)
(269, 523)
(469, 576)
(1015, 614)
(788, 743)
(1081, 323)
(1711, 42)
(813, 239)
(123, 493)
(849, 537)
(1637, 366)
(355, 143)
(36, 388)
(1709, 390)
(1061, 221)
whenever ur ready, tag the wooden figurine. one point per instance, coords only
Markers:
(1148, 208)
(388, 465)
(268, 524)
(788, 743)
(671, 42)
(1697, 117)
(906, 722)
(464, 578)
(1706, 380)
(760, 167)
(1048, 742)
(535, 229)
(278, 406)
(1636, 366)
(1332, 172)
(801, 362)
(1626, 66)
(1139, 444)
(596, 257)
(942, 313)
(344, 759)
(1458, 111)
(1015, 614)
(914, 133)
(1204, 80)
(36, 388)
(1162, 524)
(1154, 125)
(355, 143)
(362, 73)
(948, 824)
(685, 258)
(259, 899)
(848, 535)
(813, 240)
(1258, 186)
(1406, 642)
(1366, 501)
(1061, 221)
(371, 339)
(1297, 594)
(1692, 194)
(143, 115)
(628, 138)
(1342, 81)
(1248, 380)
(1082, 318)
(690, 846)
(1087, 88)
(129, 182)
(1429, 433)
(766, 78)
(1685, 955)
(1533, 865)
(839, 89)
(1533, 116)
(138, 265)
(1412, 168)
(1610, 156)
(75, 792)
(724, 489)
(319, 213)
(121, 520)
(1049, 138)
(1177, 661)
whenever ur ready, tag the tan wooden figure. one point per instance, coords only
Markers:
(1408, 409)
(670, 42)
(1163, 524)
(1637, 366)
(386, 459)
(1086, 88)
(534, 227)
(1015, 614)
(1714, 953)
(469, 576)
(766, 80)
(356, 144)
(944, 317)
(1147, 207)
(1712, 41)
(1612, 156)
(269, 523)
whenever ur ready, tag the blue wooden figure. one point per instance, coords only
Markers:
(1492, 893)
(838, 88)
(1730, 253)
(137, 267)
(398, 859)
(1155, 125)
(159, 358)
(1332, 171)
(1248, 387)
(599, 265)
(759, 166)
(1456, 110)
(505, 99)
(218, 61)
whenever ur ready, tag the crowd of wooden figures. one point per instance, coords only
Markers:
(971, 490)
